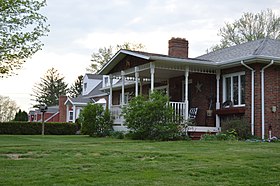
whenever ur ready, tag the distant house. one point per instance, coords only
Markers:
(69, 108)
(241, 81)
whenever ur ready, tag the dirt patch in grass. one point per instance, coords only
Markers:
(20, 156)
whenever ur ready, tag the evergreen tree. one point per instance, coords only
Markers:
(21, 116)
(77, 88)
(21, 27)
(52, 86)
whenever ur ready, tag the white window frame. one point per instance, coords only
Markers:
(126, 98)
(238, 74)
(69, 119)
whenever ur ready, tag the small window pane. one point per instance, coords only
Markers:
(235, 90)
(71, 116)
(243, 89)
(228, 85)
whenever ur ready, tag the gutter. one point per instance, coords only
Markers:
(252, 97)
(262, 93)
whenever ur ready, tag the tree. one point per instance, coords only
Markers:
(249, 27)
(21, 116)
(104, 54)
(52, 86)
(21, 27)
(8, 109)
(77, 88)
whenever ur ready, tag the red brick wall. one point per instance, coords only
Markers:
(178, 47)
(272, 97)
(197, 99)
(62, 109)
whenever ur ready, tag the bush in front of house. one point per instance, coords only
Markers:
(96, 121)
(35, 128)
(240, 126)
(151, 118)
(222, 136)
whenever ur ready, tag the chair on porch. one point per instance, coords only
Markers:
(192, 116)
(190, 121)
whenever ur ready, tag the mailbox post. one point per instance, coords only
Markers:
(43, 109)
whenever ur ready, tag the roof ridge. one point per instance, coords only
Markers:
(261, 47)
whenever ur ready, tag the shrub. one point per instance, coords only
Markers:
(240, 126)
(96, 121)
(151, 118)
(223, 136)
(30, 128)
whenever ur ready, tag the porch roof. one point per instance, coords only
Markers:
(259, 50)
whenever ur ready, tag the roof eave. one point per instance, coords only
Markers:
(236, 62)
(117, 57)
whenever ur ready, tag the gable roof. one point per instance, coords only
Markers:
(94, 76)
(262, 47)
(84, 99)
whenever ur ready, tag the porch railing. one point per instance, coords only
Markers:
(116, 111)
(178, 107)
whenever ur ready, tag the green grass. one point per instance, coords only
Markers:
(81, 160)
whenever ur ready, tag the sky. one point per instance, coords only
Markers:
(80, 27)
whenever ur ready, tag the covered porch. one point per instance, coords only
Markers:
(202, 90)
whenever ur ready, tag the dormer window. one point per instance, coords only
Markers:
(85, 86)
(106, 81)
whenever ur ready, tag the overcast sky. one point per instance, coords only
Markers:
(80, 27)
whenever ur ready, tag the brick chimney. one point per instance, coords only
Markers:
(178, 47)
(62, 109)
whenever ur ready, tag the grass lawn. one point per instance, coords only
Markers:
(81, 160)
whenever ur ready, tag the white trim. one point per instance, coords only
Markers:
(231, 75)
(262, 95)
(218, 77)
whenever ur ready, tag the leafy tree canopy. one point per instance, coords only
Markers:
(249, 27)
(52, 86)
(21, 27)
(8, 109)
(104, 54)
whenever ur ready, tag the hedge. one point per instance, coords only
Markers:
(36, 128)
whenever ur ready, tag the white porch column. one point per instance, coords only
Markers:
(123, 81)
(152, 67)
(136, 81)
(111, 92)
(67, 113)
(141, 83)
(218, 76)
(187, 92)
(74, 114)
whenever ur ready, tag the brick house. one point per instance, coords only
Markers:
(239, 81)
(69, 108)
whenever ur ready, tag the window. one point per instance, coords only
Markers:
(126, 98)
(106, 81)
(70, 115)
(234, 88)
(85, 86)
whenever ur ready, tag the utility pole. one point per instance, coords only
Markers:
(43, 109)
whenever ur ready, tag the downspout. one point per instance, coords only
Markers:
(252, 97)
(262, 87)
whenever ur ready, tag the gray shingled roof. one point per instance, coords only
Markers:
(96, 91)
(87, 98)
(94, 76)
(262, 47)
(80, 99)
